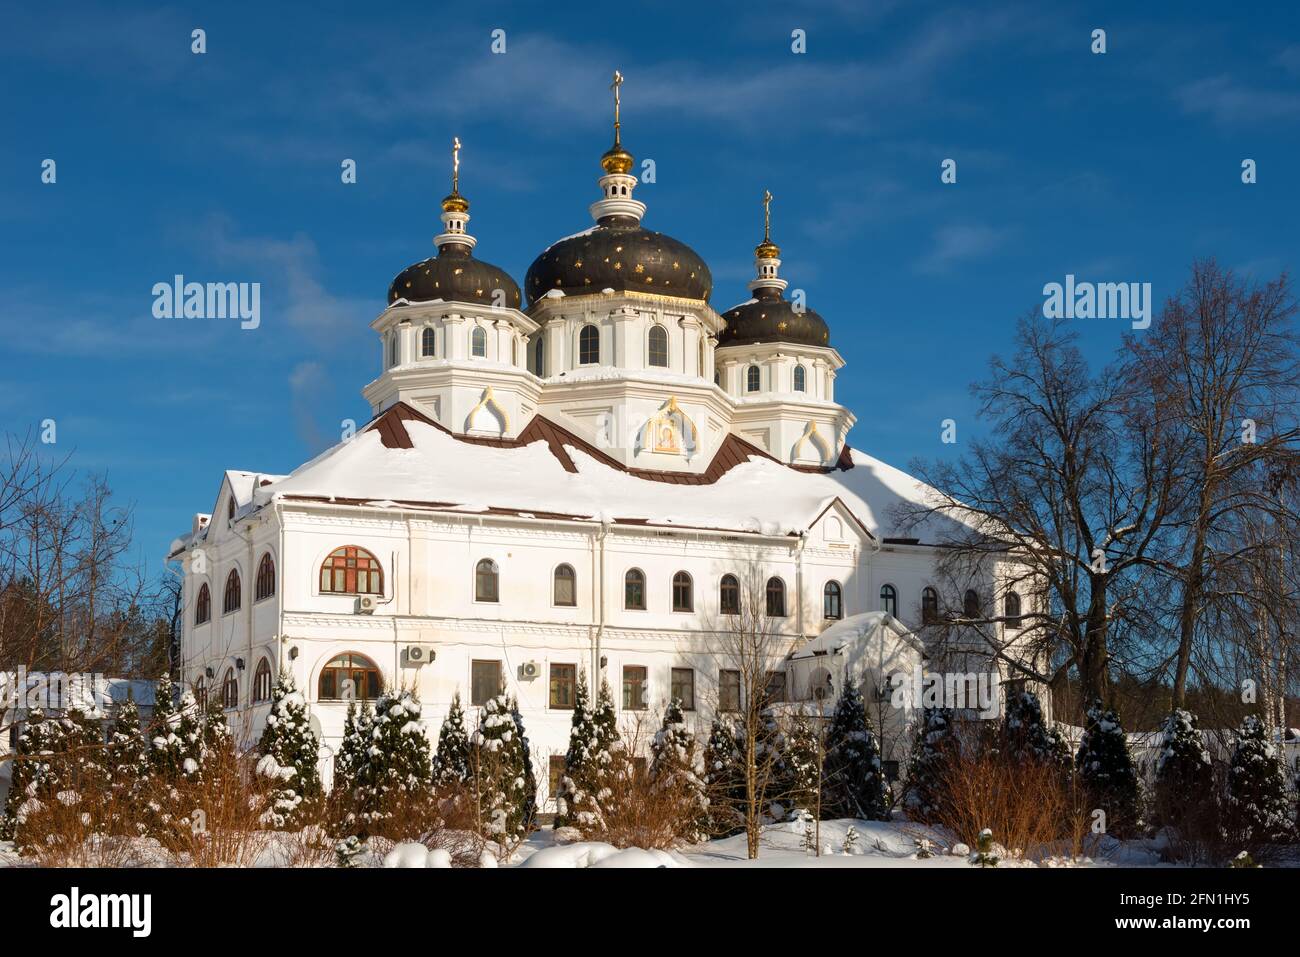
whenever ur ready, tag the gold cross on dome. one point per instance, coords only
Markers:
(455, 163)
(618, 81)
(767, 216)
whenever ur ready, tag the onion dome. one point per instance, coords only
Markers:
(769, 316)
(619, 253)
(454, 274)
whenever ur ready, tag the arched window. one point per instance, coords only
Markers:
(634, 590)
(348, 677)
(729, 595)
(264, 586)
(428, 342)
(929, 606)
(392, 350)
(203, 605)
(683, 592)
(589, 346)
(775, 598)
(262, 682)
(717, 377)
(971, 604)
(539, 356)
(201, 693)
(230, 509)
(487, 581)
(658, 346)
(753, 379)
(833, 601)
(230, 601)
(478, 342)
(351, 571)
(230, 690)
(565, 590)
(800, 379)
(889, 600)
(1012, 610)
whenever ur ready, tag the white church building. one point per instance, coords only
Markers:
(581, 474)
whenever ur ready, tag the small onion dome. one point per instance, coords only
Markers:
(454, 275)
(769, 317)
(767, 250)
(616, 160)
(622, 255)
(455, 203)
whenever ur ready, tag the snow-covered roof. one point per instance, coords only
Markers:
(403, 457)
(851, 632)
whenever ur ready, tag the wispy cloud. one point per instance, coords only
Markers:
(956, 244)
(1229, 102)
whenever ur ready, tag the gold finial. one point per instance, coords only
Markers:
(616, 159)
(454, 202)
(767, 249)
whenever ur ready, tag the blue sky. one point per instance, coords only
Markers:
(225, 167)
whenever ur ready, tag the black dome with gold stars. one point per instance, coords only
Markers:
(770, 317)
(454, 275)
(622, 255)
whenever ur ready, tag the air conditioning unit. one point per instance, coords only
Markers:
(366, 604)
(420, 654)
(530, 669)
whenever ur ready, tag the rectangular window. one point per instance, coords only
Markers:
(485, 681)
(684, 687)
(728, 690)
(555, 770)
(563, 679)
(775, 686)
(634, 688)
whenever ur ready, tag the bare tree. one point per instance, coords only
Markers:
(1223, 366)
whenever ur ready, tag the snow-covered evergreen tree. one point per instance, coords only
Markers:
(588, 761)
(724, 779)
(217, 744)
(1107, 772)
(500, 775)
(289, 758)
(1257, 809)
(928, 763)
(803, 757)
(674, 769)
(1027, 737)
(451, 763)
(166, 752)
(771, 767)
(530, 778)
(1184, 788)
(853, 780)
(128, 769)
(398, 765)
(36, 775)
(353, 749)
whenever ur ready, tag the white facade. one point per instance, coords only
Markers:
(497, 439)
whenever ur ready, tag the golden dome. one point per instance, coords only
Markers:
(455, 203)
(616, 159)
(767, 250)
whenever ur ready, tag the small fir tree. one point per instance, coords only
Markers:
(674, 761)
(530, 778)
(724, 779)
(289, 758)
(854, 781)
(398, 764)
(128, 768)
(1257, 810)
(928, 763)
(217, 744)
(451, 763)
(1184, 786)
(36, 775)
(986, 853)
(589, 764)
(500, 774)
(353, 749)
(804, 758)
(1027, 737)
(1107, 772)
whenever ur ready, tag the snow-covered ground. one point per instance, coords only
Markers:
(874, 844)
